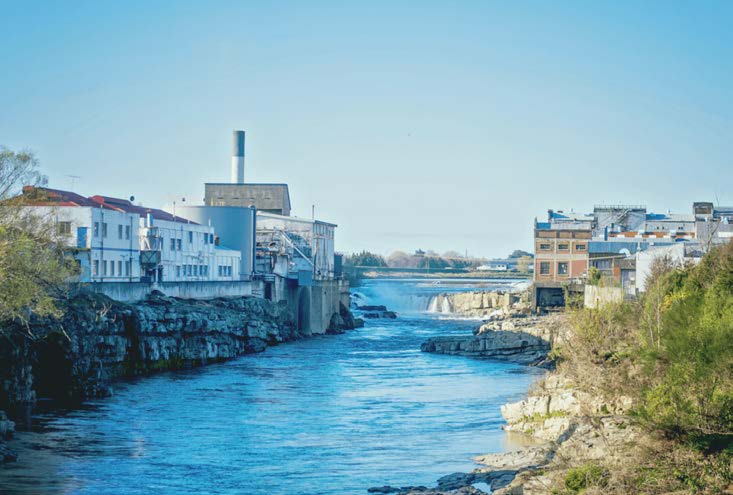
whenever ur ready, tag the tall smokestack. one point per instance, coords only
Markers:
(238, 158)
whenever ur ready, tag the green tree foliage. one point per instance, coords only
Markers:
(365, 258)
(518, 253)
(671, 351)
(687, 333)
(34, 267)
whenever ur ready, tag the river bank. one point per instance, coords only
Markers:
(98, 341)
(322, 415)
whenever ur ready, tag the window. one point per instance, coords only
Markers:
(195, 270)
(104, 230)
(112, 268)
(119, 268)
(562, 268)
(64, 228)
(173, 244)
(104, 268)
(563, 247)
(544, 267)
(96, 229)
(178, 243)
(544, 247)
(190, 237)
(580, 247)
(178, 270)
(95, 268)
(128, 265)
(119, 231)
(127, 232)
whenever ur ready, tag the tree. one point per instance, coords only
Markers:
(518, 253)
(523, 263)
(400, 259)
(365, 258)
(34, 266)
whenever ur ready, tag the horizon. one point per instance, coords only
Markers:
(434, 128)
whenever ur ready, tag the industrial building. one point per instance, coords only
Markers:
(288, 258)
(114, 240)
(611, 239)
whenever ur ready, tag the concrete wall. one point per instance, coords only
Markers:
(596, 297)
(136, 291)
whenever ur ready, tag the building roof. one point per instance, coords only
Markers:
(127, 206)
(569, 216)
(284, 218)
(670, 217)
(45, 196)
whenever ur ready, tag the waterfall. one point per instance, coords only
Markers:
(440, 303)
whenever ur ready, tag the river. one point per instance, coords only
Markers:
(328, 415)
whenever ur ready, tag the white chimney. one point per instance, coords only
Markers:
(238, 158)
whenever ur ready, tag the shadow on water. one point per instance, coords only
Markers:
(329, 415)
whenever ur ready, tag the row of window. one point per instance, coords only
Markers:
(192, 271)
(225, 271)
(177, 244)
(562, 247)
(108, 268)
(562, 268)
(123, 231)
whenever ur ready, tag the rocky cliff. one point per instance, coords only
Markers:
(98, 340)
(508, 335)
(477, 303)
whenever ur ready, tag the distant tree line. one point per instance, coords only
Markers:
(429, 260)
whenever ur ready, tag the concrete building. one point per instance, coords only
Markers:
(235, 229)
(293, 259)
(617, 236)
(105, 241)
(126, 250)
(269, 198)
(176, 249)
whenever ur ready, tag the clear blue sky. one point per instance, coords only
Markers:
(410, 124)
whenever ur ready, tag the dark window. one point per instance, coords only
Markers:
(544, 268)
(190, 237)
(119, 231)
(563, 247)
(96, 229)
(64, 228)
(562, 268)
(178, 243)
(580, 247)
(544, 247)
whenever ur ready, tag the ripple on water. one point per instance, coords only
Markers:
(331, 415)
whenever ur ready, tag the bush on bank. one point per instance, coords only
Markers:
(671, 352)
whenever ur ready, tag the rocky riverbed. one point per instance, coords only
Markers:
(98, 340)
(568, 426)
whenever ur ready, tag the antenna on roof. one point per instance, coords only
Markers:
(72, 180)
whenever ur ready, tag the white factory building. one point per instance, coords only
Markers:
(117, 241)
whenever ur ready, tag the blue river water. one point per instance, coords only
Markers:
(328, 415)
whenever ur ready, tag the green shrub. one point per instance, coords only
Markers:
(586, 476)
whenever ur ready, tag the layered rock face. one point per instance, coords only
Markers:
(99, 339)
(507, 336)
(475, 303)
(517, 347)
